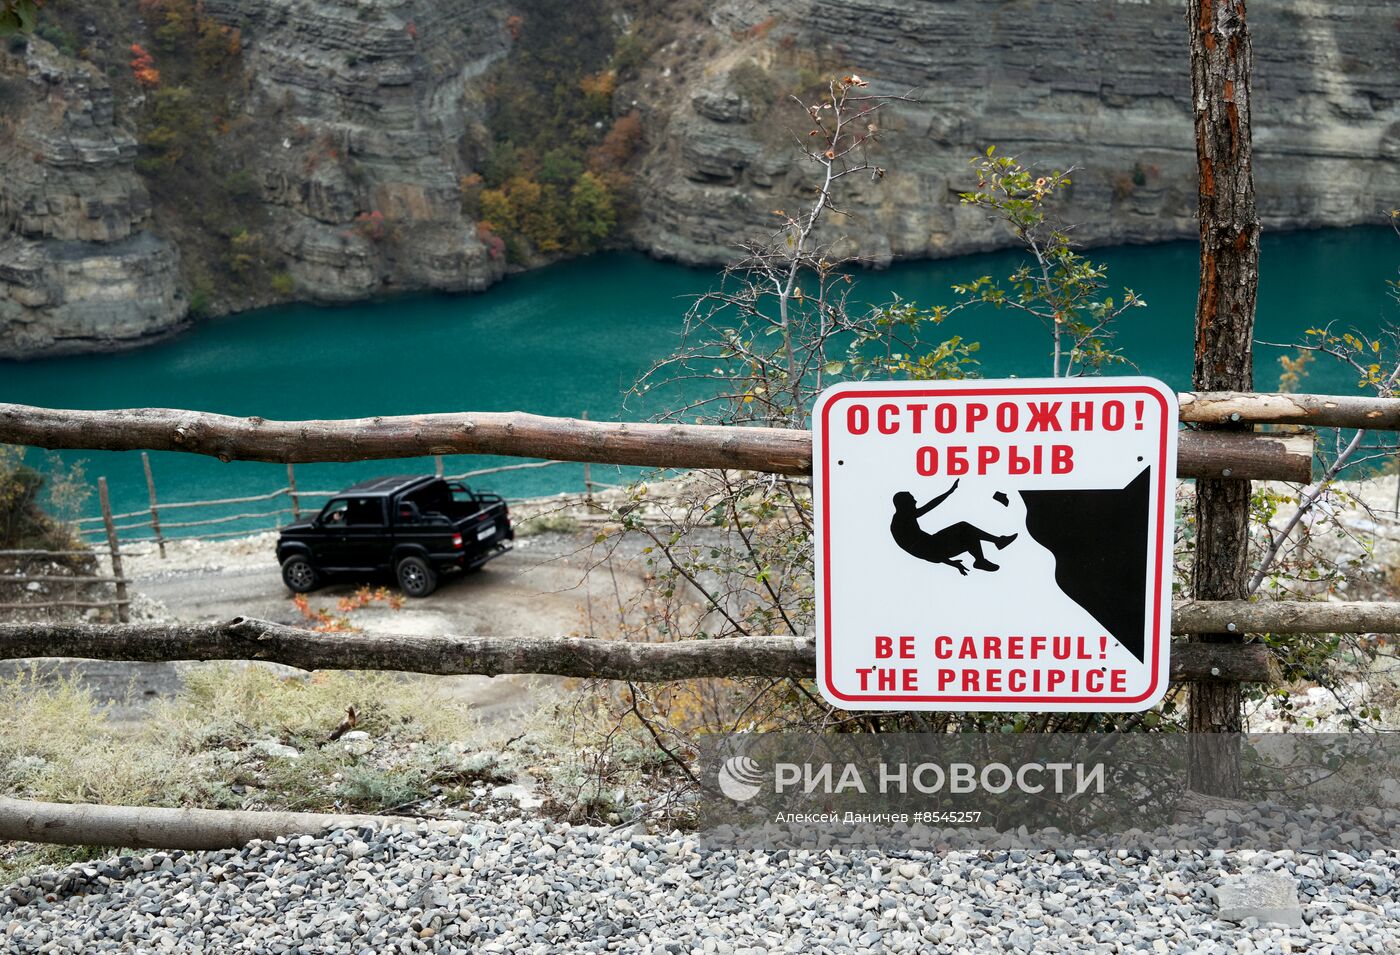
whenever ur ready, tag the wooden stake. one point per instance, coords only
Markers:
(292, 489)
(437, 465)
(155, 512)
(122, 603)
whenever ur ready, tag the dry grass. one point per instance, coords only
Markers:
(215, 745)
(207, 746)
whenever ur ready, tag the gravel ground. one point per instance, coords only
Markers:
(531, 886)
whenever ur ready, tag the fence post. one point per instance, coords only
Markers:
(437, 465)
(123, 605)
(155, 512)
(587, 476)
(292, 489)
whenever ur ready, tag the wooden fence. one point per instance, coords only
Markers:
(120, 604)
(286, 506)
(1242, 455)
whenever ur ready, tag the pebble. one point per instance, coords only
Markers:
(532, 886)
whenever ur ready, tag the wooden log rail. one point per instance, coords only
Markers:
(1315, 411)
(581, 657)
(286, 491)
(149, 827)
(1243, 456)
(118, 603)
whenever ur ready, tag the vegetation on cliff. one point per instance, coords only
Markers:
(556, 176)
(186, 120)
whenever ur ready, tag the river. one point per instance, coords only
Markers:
(572, 338)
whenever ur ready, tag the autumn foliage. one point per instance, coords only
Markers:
(143, 67)
(371, 226)
(621, 143)
(326, 621)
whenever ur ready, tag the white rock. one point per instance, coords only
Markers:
(1266, 896)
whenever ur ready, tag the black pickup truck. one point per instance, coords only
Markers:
(418, 527)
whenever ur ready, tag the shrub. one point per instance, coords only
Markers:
(242, 186)
(201, 300)
(283, 284)
(370, 225)
(524, 209)
(620, 144)
(143, 67)
(591, 212)
(245, 251)
(24, 522)
(59, 37)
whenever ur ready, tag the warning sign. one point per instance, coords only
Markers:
(995, 545)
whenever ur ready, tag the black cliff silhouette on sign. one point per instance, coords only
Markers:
(944, 546)
(1099, 539)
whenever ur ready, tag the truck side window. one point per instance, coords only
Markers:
(334, 513)
(365, 511)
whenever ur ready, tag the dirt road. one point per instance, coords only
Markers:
(541, 588)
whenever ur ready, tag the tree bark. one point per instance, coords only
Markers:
(249, 639)
(778, 657)
(1315, 411)
(1221, 63)
(510, 433)
(777, 450)
(1240, 617)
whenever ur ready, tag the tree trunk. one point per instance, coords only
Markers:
(1221, 61)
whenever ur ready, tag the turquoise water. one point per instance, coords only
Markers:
(573, 337)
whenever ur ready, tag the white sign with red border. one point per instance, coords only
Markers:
(995, 545)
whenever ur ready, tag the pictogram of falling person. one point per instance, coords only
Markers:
(944, 546)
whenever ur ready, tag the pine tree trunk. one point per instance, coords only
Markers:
(1221, 61)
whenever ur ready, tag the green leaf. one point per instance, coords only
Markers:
(834, 367)
(19, 16)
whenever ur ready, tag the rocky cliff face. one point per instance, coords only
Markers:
(366, 113)
(1102, 85)
(79, 268)
(361, 119)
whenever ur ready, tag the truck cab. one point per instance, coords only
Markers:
(417, 527)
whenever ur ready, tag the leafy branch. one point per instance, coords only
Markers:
(1060, 288)
(19, 16)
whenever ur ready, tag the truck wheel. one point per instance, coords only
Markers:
(299, 575)
(416, 577)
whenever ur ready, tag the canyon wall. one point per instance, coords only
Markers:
(365, 113)
(1102, 85)
(79, 265)
(359, 124)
